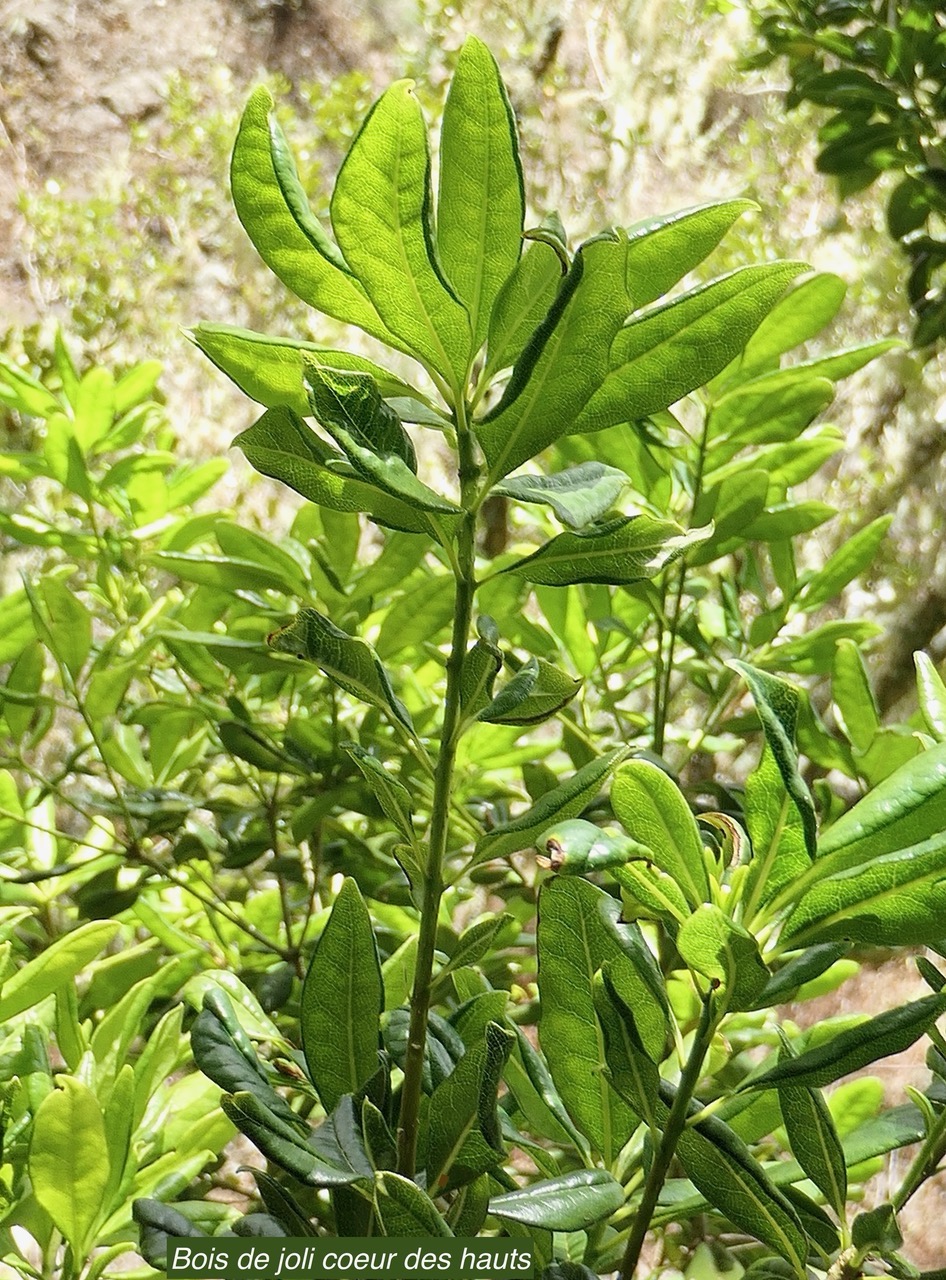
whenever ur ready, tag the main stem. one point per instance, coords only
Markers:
(433, 885)
(676, 1122)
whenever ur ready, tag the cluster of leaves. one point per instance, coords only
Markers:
(218, 791)
(879, 69)
(631, 1072)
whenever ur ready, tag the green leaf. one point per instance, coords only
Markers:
(521, 305)
(801, 969)
(714, 945)
(564, 360)
(274, 211)
(631, 1071)
(661, 355)
(420, 612)
(69, 1161)
(225, 1055)
(814, 1140)
(481, 201)
(393, 797)
(777, 703)
(908, 807)
(577, 934)
(624, 550)
(635, 978)
(350, 407)
(346, 660)
(932, 695)
(269, 370)
(849, 561)
(896, 899)
(403, 1209)
(881, 1037)
(381, 210)
(801, 314)
(841, 364)
(578, 496)
(285, 1144)
(662, 250)
(464, 1137)
(342, 1000)
(482, 663)
(281, 446)
(538, 690)
(534, 1090)
(58, 964)
(564, 801)
(65, 622)
(572, 1202)
(723, 1169)
(853, 696)
(652, 810)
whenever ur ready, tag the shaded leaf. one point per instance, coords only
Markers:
(346, 660)
(342, 1000)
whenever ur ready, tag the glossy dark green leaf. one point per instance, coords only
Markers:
(464, 1137)
(346, 660)
(481, 201)
(280, 445)
(566, 800)
(564, 360)
(663, 354)
(402, 1209)
(269, 369)
(381, 216)
(482, 663)
(653, 811)
(623, 550)
(720, 949)
(578, 496)
(571, 1202)
(274, 211)
(724, 1170)
(533, 1088)
(393, 797)
(348, 404)
(814, 1140)
(848, 1051)
(281, 1204)
(234, 1068)
(156, 1222)
(342, 1000)
(805, 967)
(283, 1143)
(577, 934)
